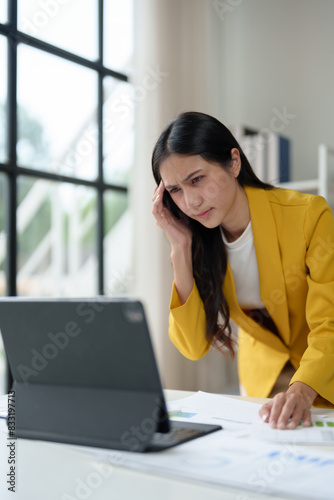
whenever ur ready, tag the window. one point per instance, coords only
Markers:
(60, 105)
(118, 25)
(66, 148)
(118, 132)
(71, 25)
(3, 240)
(3, 11)
(3, 98)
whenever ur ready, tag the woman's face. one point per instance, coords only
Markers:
(205, 191)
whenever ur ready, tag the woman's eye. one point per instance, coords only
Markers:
(197, 179)
(174, 190)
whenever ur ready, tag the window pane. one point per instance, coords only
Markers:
(118, 26)
(57, 126)
(2, 273)
(2, 236)
(117, 243)
(119, 106)
(56, 239)
(3, 11)
(2, 368)
(71, 25)
(3, 98)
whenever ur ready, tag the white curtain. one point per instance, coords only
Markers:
(177, 68)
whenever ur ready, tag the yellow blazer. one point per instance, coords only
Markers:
(294, 244)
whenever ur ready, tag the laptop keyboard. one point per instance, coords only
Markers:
(180, 432)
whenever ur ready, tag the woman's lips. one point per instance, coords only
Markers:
(204, 215)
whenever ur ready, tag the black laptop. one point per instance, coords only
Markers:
(85, 373)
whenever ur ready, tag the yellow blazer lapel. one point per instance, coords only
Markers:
(271, 274)
(244, 321)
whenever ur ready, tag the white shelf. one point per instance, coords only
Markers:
(305, 186)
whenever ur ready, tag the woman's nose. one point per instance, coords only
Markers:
(192, 199)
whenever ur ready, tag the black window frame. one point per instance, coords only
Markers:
(10, 168)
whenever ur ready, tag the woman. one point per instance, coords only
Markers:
(245, 250)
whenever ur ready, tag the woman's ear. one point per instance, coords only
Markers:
(235, 162)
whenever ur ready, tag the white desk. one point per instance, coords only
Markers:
(52, 471)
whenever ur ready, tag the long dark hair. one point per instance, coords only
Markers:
(194, 133)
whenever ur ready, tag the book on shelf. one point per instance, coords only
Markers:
(278, 167)
(268, 153)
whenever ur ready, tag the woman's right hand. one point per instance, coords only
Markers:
(177, 232)
(180, 238)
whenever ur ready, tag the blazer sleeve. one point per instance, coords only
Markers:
(187, 324)
(317, 363)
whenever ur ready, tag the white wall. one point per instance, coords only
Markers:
(278, 54)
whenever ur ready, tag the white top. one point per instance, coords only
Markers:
(242, 259)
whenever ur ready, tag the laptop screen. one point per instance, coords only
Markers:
(101, 343)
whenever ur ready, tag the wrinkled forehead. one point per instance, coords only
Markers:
(178, 167)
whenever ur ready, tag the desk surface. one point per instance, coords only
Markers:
(53, 471)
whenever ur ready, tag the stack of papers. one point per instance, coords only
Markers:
(246, 454)
(242, 419)
(233, 414)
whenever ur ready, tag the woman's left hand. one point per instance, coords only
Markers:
(287, 409)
